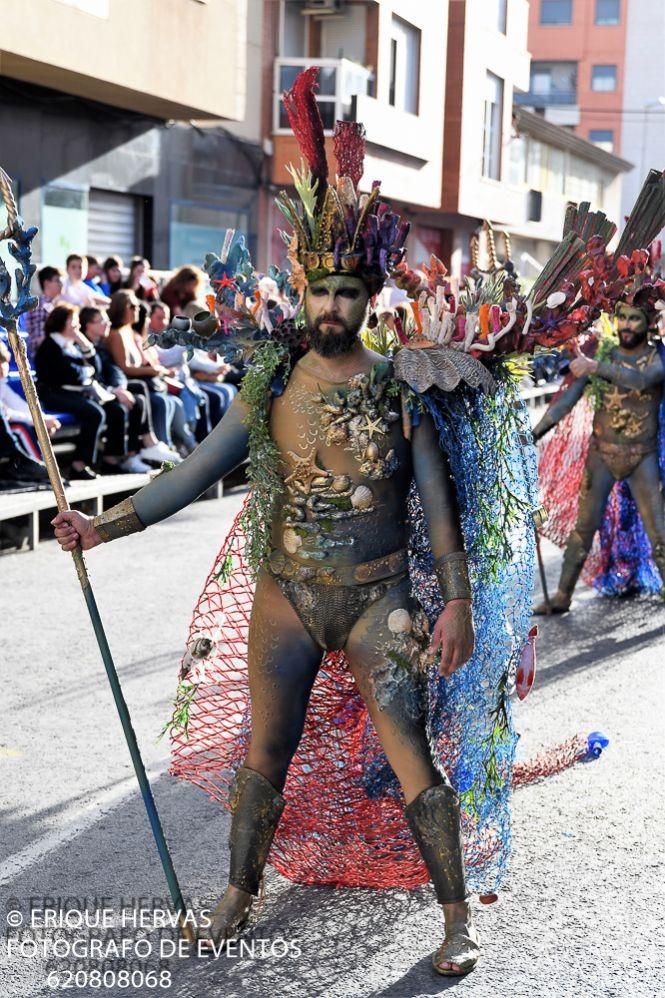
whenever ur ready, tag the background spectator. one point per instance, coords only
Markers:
(17, 412)
(195, 401)
(74, 289)
(111, 275)
(130, 358)
(139, 281)
(185, 286)
(50, 281)
(128, 418)
(65, 382)
(16, 466)
(181, 431)
(215, 376)
(94, 275)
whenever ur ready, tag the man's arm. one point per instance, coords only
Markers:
(453, 630)
(627, 377)
(221, 451)
(561, 407)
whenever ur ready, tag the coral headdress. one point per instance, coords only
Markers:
(628, 277)
(335, 229)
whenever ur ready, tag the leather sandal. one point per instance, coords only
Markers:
(461, 946)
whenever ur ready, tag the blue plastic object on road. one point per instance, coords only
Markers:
(596, 742)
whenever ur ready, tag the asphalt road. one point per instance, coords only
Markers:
(580, 913)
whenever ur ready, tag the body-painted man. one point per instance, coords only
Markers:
(336, 577)
(624, 444)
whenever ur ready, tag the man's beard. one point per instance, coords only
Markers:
(334, 342)
(630, 339)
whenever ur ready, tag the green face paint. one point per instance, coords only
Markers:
(338, 298)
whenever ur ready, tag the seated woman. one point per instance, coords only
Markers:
(185, 286)
(130, 357)
(181, 431)
(198, 409)
(139, 280)
(66, 383)
(129, 422)
(217, 379)
(111, 275)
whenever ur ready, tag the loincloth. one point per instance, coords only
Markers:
(622, 459)
(330, 600)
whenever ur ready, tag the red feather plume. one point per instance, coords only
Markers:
(305, 120)
(349, 145)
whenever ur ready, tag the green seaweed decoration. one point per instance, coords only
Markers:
(179, 719)
(263, 473)
(473, 800)
(595, 390)
(492, 542)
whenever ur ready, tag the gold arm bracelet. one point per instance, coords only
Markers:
(453, 575)
(118, 521)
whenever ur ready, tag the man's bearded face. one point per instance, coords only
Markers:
(335, 310)
(632, 326)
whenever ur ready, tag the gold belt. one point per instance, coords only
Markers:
(339, 575)
(621, 450)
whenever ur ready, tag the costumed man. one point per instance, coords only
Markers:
(624, 382)
(353, 510)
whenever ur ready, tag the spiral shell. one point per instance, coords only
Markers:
(399, 622)
(362, 498)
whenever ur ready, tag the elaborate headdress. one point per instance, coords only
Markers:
(627, 276)
(336, 229)
(488, 314)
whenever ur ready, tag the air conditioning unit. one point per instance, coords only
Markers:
(322, 7)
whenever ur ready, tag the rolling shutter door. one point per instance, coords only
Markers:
(113, 225)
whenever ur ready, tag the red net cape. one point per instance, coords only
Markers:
(562, 457)
(331, 832)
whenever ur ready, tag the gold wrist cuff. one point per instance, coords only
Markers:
(453, 575)
(118, 521)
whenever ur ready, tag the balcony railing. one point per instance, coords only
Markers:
(339, 81)
(554, 98)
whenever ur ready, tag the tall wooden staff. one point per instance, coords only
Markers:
(19, 246)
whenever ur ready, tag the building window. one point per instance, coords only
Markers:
(603, 78)
(499, 13)
(607, 11)
(492, 127)
(555, 82)
(194, 226)
(603, 138)
(404, 66)
(556, 11)
(64, 222)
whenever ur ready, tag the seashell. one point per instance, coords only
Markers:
(362, 498)
(201, 647)
(555, 299)
(320, 482)
(336, 435)
(372, 451)
(291, 541)
(399, 622)
(341, 483)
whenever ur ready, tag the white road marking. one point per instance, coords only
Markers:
(79, 822)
